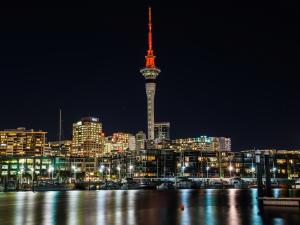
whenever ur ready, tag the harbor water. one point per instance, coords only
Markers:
(205, 206)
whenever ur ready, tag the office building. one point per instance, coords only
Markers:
(88, 139)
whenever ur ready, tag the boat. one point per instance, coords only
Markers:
(183, 183)
(129, 184)
(297, 184)
(166, 186)
(147, 184)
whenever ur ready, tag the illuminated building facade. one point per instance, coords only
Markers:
(22, 142)
(88, 139)
(203, 143)
(162, 131)
(150, 72)
(120, 142)
(140, 138)
(60, 148)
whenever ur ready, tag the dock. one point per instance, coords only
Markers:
(290, 202)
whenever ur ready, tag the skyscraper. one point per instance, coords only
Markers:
(150, 72)
(88, 139)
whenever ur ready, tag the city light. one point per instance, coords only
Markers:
(50, 169)
(102, 168)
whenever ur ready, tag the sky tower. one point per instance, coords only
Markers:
(150, 72)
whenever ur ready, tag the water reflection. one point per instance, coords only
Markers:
(50, 206)
(185, 214)
(72, 198)
(234, 217)
(209, 207)
(19, 206)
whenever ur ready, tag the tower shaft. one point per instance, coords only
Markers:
(150, 92)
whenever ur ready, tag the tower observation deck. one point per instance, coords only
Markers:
(150, 72)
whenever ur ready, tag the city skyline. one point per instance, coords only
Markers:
(221, 77)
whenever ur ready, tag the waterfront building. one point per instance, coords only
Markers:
(16, 168)
(150, 72)
(22, 142)
(155, 163)
(162, 131)
(88, 139)
(202, 143)
(87, 167)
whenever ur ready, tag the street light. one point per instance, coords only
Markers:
(32, 174)
(130, 169)
(50, 171)
(74, 169)
(101, 170)
(182, 170)
(292, 169)
(119, 169)
(108, 172)
(274, 173)
(207, 169)
(21, 173)
(230, 169)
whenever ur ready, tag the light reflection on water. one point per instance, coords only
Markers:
(209, 207)
(72, 198)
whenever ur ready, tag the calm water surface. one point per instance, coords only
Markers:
(230, 207)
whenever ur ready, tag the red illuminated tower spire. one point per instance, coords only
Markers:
(150, 58)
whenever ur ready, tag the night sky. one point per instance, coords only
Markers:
(227, 69)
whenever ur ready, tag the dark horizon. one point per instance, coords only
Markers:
(228, 69)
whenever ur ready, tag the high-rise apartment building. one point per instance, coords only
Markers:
(88, 139)
(22, 142)
(162, 131)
